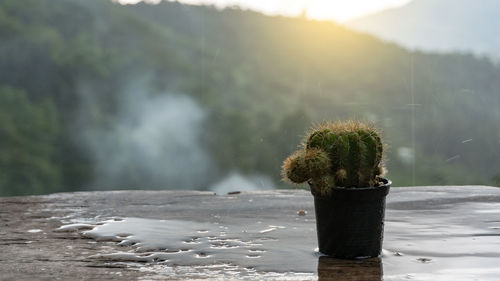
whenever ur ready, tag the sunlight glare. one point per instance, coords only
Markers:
(338, 10)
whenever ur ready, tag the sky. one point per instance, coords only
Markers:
(337, 10)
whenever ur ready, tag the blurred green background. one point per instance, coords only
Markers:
(95, 96)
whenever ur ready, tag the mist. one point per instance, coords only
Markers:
(237, 182)
(153, 143)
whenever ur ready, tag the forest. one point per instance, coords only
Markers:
(97, 96)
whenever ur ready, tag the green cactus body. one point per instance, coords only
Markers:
(338, 155)
(294, 168)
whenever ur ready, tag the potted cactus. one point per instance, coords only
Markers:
(341, 162)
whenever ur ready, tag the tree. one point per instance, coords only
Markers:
(27, 135)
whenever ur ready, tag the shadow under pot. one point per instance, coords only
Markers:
(350, 222)
(332, 269)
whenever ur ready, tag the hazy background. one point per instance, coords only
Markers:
(97, 95)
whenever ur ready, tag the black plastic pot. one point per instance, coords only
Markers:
(350, 223)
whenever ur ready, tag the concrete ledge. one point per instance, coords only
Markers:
(432, 233)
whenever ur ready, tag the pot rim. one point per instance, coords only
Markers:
(387, 182)
(382, 188)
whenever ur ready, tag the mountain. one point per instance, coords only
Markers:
(96, 95)
(438, 25)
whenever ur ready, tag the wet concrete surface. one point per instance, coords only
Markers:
(431, 233)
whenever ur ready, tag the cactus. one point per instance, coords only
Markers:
(340, 154)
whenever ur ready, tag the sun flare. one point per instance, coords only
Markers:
(338, 10)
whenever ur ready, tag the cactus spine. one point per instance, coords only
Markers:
(340, 154)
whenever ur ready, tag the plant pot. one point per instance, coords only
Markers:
(350, 223)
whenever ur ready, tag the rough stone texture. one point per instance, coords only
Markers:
(48, 255)
(432, 233)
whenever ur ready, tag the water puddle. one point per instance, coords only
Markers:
(186, 243)
(415, 246)
(445, 240)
